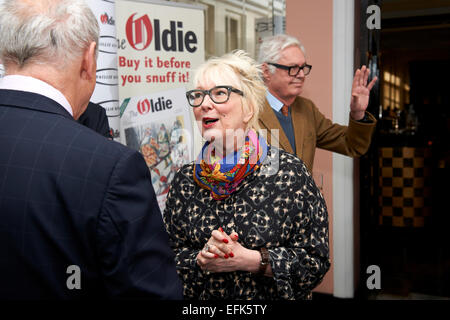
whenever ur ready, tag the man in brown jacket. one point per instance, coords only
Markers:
(301, 126)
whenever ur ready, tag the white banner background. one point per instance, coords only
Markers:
(159, 46)
(106, 91)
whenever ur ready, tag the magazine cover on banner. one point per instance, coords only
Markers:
(159, 126)
(159, 47)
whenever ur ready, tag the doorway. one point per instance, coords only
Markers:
(403, 213)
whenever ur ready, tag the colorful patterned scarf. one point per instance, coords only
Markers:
(223, 176)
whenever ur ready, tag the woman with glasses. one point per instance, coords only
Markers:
(246, 220)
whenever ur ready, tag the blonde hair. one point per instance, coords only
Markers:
(239, 70)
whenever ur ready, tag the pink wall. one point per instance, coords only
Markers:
(312, 23)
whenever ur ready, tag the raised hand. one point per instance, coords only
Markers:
(360, 93)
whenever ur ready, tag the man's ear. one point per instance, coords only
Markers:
(89, 63)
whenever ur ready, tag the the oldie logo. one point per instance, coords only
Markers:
(105, 19)
(140, 32)
(145, 106)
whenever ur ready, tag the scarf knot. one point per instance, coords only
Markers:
(222, 177)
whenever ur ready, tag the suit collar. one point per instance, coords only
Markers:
(32, 101)
(34, 85)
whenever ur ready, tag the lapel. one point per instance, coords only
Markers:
(32, 101)
(269, 121)
(299, 123)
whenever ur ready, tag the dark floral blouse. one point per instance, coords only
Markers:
(278, 206)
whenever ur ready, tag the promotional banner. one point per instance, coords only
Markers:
(159, 47)
(106, 91)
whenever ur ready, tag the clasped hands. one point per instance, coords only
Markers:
(223, 253)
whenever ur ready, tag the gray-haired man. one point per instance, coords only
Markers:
(78, 214)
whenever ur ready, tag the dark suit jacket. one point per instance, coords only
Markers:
(68, 196)
(95, 117)
(313, 130)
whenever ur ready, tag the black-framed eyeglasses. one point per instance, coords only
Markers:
(293, 70)
(219, 94)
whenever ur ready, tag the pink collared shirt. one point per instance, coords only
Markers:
(30, 84)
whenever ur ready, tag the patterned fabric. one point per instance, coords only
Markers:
(221, 177)
(278, 206)
(285, 110)
(405, 186)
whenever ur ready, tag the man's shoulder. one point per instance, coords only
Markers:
(60, 132)
(86, 139)
(307, 109)
(304, 102)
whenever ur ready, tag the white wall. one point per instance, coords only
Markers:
(343, 224)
